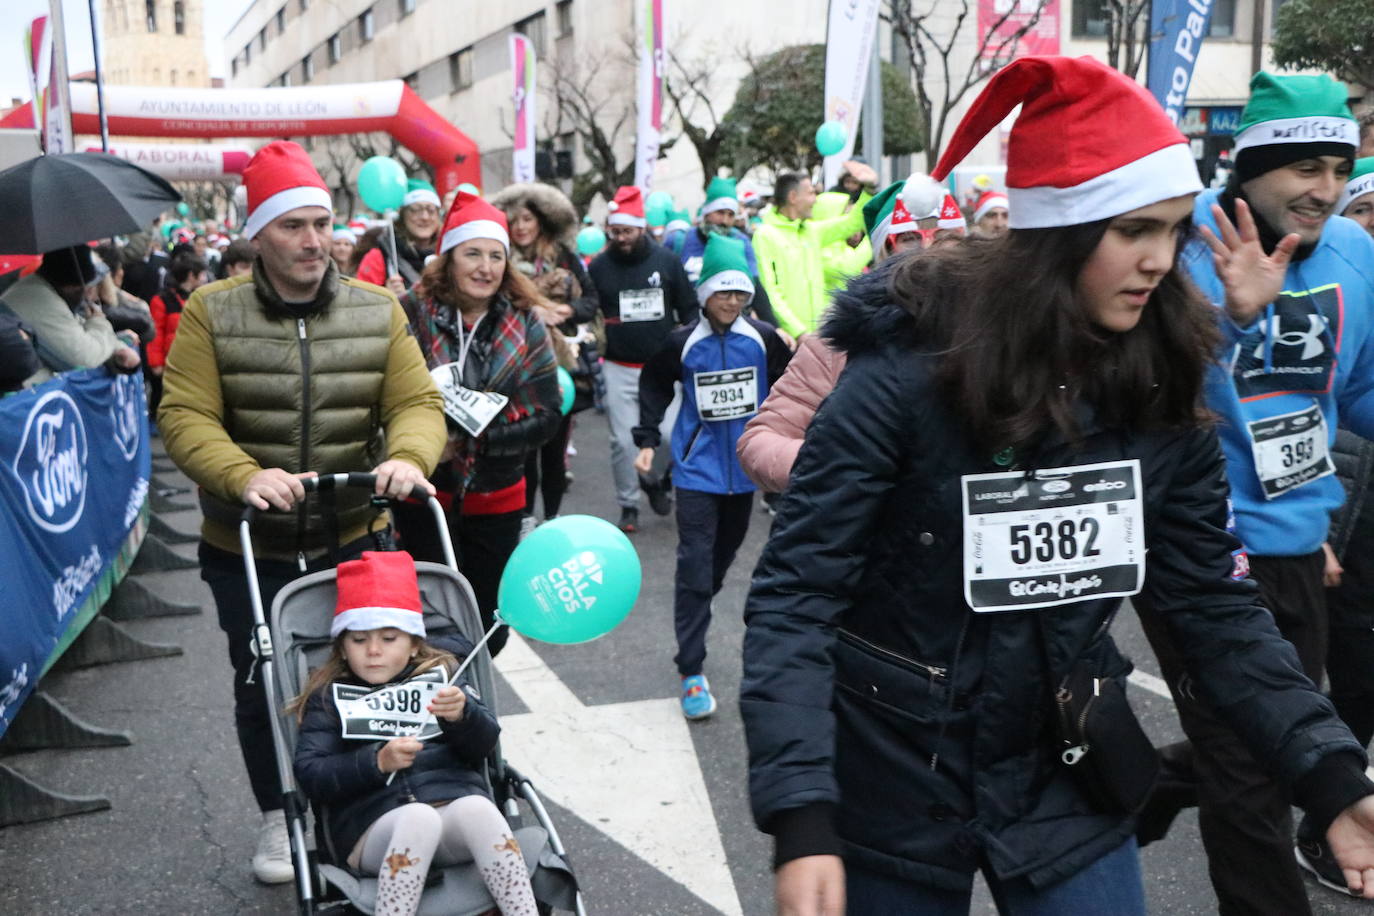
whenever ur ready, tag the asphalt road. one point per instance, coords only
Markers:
(181, 830)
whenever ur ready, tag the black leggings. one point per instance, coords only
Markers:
(546, 471)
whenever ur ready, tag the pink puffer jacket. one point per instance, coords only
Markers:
(772, 439)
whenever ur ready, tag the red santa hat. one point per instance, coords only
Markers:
(902, 220)
(378, 590)
(1089, 143)
(280, 177)
(471, 217)
(990, 200)
(949, 216)
(627, 209)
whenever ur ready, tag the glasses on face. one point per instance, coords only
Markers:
(732, 296)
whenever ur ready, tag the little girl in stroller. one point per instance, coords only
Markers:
(437, 809)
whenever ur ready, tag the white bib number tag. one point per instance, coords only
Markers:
(1059, 536)
(727, 394)
(472, 410)
(641, 305)
(1290, 450)
(394, 711)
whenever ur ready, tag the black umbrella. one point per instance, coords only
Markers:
(52, 202)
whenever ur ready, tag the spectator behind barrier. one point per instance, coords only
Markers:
(126, 311)
(18, 360)
(69, 327)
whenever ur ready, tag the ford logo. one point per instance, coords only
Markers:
(1056, 486)
(51, 462)
(125, 411)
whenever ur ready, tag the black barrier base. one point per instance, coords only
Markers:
(23, 801)
(162, 504)
(155, 556)
(104, 641)
(43, 723)
(168, 534)
(131, 600)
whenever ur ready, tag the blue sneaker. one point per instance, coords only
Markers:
(697, 702)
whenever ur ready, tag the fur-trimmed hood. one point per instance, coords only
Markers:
(863, 315)
(552, 205)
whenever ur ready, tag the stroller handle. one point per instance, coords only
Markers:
(353, 480)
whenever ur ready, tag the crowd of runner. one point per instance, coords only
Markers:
(980, 425)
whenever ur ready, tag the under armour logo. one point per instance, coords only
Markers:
(655, 280)
(1311, 339)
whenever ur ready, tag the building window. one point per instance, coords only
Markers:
(172, 75)
(565, 20)
(234, 68)
(413, 81)
(262, 39)
(460, 69)
(1274, 7)
(533, 29)
(179, 17)
(1090, 19)
(281, 20)
(365, 26)
(248, 54)
(335, 48)
(407, 7)
(285, 79)
(150, 12)
(305, 5)
(307, 69)
(1223, 23)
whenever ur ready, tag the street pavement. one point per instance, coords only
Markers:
(653, 810)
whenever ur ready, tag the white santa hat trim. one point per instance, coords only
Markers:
(625, 219)
(475, 229)
(374, 618)
(1165, 173)
(1355, 188)
(1313, 129)
(720, 203)
(421, 196)
(284, 202)
(724, 281)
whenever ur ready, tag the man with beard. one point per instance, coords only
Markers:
(643, 293)
(1292, 369)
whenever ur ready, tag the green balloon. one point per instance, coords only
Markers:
(590, 241)
(469, 188)
(382, 184)
(183, 209)
(830, 138)
(659, 200)
(573, 579)
(567, 389)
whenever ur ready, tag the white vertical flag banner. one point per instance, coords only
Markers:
(57, 123)
(851, 29)
(652, 65)
(522, 65)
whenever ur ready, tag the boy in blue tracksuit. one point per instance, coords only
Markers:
(1293, 367)
(726, 363)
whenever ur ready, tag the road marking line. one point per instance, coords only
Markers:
(1146, 681)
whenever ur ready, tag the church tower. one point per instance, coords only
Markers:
(154, 43)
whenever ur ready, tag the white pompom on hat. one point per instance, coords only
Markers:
(279, 178)
(378, 590)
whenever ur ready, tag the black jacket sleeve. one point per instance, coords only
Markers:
(761, 306)
(778, 355)
(18, 359)
(1241, 666)
(331, 770)
(805, 578)
(584, 306)
(656, 382)
(683, 293)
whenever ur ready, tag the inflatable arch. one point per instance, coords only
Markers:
(307, 111)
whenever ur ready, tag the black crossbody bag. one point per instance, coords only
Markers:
(1100, 741)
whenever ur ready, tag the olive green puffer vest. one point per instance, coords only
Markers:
(302, 395)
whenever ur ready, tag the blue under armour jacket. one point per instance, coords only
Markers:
(726, 368)
(1311, 347)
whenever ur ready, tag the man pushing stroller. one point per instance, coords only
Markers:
(274, 376)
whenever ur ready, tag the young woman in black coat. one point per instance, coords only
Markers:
(1015, 445)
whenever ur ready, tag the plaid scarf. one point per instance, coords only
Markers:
(514, 350)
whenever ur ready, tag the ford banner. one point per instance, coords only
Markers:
(74, 470)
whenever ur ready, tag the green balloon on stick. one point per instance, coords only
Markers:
(573, 579)
(382, 184)
(830, 138)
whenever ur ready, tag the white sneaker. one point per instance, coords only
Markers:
(272, 861)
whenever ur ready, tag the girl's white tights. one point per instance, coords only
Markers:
(402, 844)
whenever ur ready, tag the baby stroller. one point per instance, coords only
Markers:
(297, 641)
